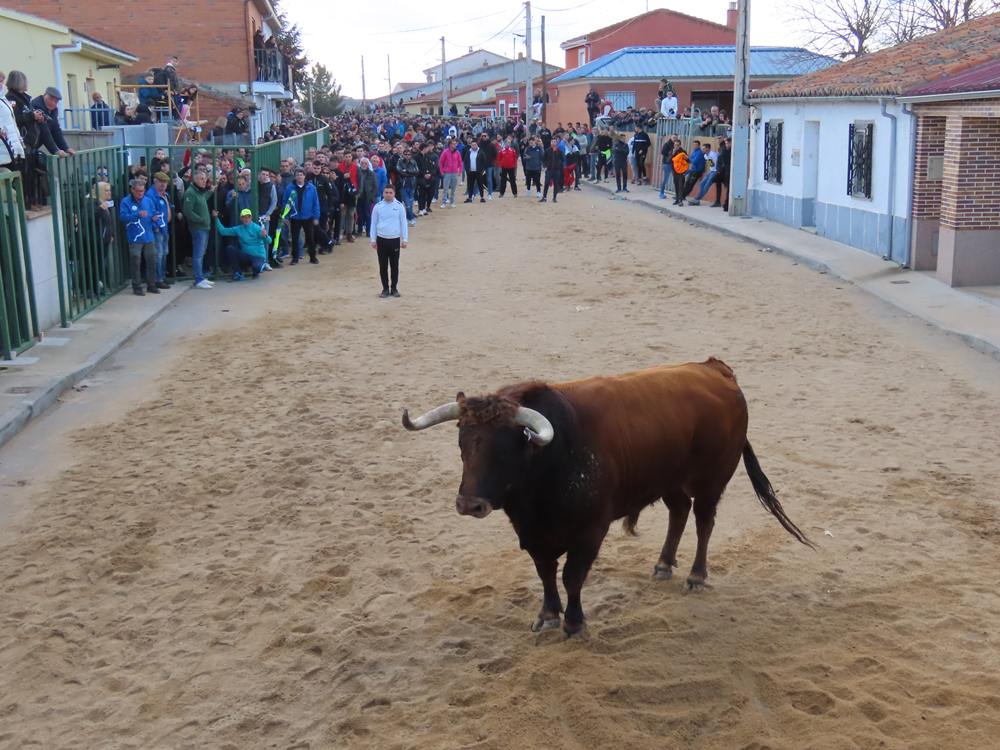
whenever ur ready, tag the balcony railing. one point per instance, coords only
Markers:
(271, 66)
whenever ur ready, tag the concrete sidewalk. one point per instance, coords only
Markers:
(974, 316)
(32, 382)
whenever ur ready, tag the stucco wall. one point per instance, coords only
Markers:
(813, 192)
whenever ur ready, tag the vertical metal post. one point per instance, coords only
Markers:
(364, 96)
(739, 204)
(529, 63)
(444, 82)
(545, 78)
(388, 72)
(312, 114)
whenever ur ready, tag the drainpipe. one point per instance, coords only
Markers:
(58, 50)
(908, 110)
(892, 175)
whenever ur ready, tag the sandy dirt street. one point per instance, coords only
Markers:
(241, 548)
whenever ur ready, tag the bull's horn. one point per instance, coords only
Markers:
(540, 430)
(444, 413)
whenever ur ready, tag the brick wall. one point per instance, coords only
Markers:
(208, 36)
(930, 143)
(970, 199)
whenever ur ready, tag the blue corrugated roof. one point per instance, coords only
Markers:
(703, 61)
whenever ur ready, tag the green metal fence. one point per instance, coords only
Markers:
(18, 314)
(91, 253)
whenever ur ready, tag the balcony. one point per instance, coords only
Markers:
(271, 68)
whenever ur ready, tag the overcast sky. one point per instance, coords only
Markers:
(338, 34)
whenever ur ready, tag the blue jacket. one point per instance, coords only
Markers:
(381, 178)
(138, 229)
(162, 208)
(306, 204)
(696, 163)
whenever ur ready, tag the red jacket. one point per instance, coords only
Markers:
(507, 158)
(450, 161)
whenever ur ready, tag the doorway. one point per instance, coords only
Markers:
(810, 172)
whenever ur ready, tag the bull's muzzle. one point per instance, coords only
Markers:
(473, 506)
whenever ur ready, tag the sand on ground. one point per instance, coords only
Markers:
(249, 551)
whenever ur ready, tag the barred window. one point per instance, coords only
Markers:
(772, 151)
(621, 100)
(860, 140)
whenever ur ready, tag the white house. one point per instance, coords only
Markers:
(834, 150)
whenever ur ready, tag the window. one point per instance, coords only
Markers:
(772, 151)
(861, 138)
(621, 100)
(581, 56)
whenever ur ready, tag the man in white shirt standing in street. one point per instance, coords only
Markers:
(388, 234)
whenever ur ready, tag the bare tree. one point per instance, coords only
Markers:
(844, 28)
(944, 14)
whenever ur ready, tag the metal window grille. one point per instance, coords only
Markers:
(621, 100)
(772, 151)
(860, 142)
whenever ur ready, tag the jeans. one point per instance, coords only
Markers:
(488, 180)
(199, 241)
(162, 243)
(308, 229)
(450, 186)
(388, 256)
(407, 186)
(706, 184)
(668, 172)
(136, 255)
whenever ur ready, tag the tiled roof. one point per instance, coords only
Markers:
(893, 71)
(456, 92)
(604, 30)
(703, 61)
(981, 78)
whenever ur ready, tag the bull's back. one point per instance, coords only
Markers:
(662, 423)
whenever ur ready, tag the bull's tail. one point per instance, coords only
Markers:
(765, 493)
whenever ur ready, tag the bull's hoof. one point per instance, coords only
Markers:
(696, 583)
(663, 573)
(578, 631)
(545, 623)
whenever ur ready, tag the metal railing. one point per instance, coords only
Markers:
(18, 314)
(92, 256)
(271, 66)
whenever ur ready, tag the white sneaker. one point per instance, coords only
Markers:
(538, 193)
(413, 222)
(443, 205)
(203, 284)
(451, 205)
(267, 267)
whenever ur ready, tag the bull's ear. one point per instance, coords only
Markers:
(460, 397)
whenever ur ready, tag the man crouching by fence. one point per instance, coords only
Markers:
(252, 250)
(137, 213)
(388, 233)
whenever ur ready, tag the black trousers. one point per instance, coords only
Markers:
(553, 177)
(388, 256)
(425, 196)
(533, 176)
(305, 225)
(691, 183)
(720, 181)
(505, 176)
(621, 176)
(602, 166)
(475, 184)
(640, 165)
(678, 187)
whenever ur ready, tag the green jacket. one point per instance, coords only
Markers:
(195, 208)
(249, 236)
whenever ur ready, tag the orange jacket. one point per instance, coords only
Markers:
(680, 162)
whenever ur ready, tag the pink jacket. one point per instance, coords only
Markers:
(450, 161)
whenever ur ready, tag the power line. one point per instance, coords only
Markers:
(561, 10)
(506, 27)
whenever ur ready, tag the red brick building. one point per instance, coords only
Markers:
(212, 39)
(656, 28)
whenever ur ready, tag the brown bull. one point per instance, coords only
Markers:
(565, 460)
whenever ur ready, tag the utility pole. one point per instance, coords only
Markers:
(311, 113)
(545, 78)
(388, 71)
(444, 82)
(364, 96)
(528, 64)
(740, 164)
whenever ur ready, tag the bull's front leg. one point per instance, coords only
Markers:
(578, 562)
(548, 618)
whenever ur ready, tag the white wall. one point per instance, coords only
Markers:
(41, 243)
(834, 118)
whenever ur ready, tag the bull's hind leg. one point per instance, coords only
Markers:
(705, 505)
(548, 618)
(679, 505)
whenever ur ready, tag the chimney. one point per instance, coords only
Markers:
(732, 15)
